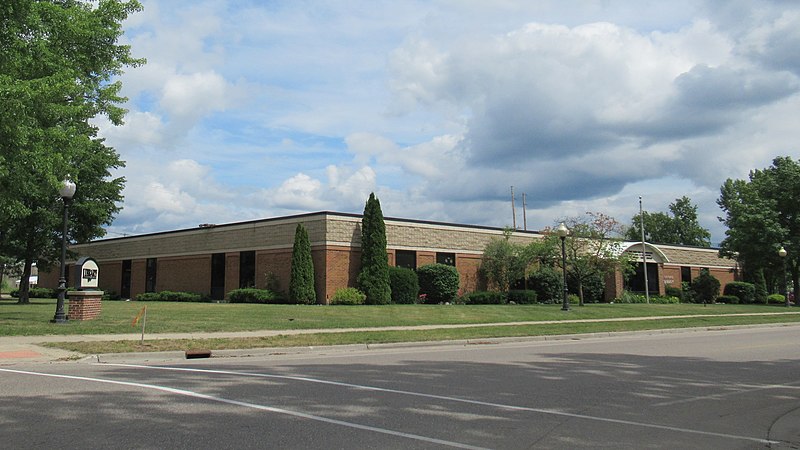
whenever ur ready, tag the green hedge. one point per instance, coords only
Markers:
(37, 292)
(745, 292)
(522, 297)
(629, 297)
(729, 299)
(438, 283)
(348, 296)
(252, 295)
(485, 298)
(171, 296)
(777, 299)
(404, 284)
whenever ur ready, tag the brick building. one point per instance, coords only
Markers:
(215, 259)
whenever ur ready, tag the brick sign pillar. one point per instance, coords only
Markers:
(84, 305)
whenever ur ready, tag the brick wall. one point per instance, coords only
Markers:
(185, 274)
(84, 305)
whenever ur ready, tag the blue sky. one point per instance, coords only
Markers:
(248, 110)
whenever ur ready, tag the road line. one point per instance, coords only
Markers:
(741, 389)
(452, 399)
(252, 406)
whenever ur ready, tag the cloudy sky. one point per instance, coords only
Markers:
(254, 109)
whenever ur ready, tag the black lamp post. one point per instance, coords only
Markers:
(782, 254)
(562, 232)
(67, 191)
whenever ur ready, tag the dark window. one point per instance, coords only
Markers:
(405, 258)
(686, 274)
(247, 269)
(446, 258)
(218, 276)
(150, 275)
(635, 281)
(125, 288)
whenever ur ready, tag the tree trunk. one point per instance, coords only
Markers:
(25, 282)
(580, 293)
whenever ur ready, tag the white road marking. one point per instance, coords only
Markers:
(251, 405)
(453, 399)
(740, 389)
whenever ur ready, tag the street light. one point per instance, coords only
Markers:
(562, 231)
(67, 191)
(782, 254)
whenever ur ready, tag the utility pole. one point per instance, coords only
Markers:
(513, 209)
(524, 213)
(644, 254)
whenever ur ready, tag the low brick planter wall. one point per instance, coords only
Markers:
(84, 305)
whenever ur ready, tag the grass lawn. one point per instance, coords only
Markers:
(116, 317)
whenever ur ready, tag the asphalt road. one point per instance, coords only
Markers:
(724, 389)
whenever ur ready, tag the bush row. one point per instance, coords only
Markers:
(37, 292)
(170, 296)
(521, 297)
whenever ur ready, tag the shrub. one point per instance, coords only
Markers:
(148, 297)
(171, 296)
(705, 287)
(672, 291)
(745, 292)
(373, 280)
(761, 287)
(251, 295)
(667, 299)
(404, 284)
(439, 282)
(729, 299)
(485, 298)
(522, 297)
(630, 297)
(348, 296)
(37, 292)
(301, 282)
(548, 284)
(594, 286)
(111, 295)
(776, 299)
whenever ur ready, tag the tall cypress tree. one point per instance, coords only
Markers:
(373, 280)
(301, 283)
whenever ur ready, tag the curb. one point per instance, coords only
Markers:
(262, 352)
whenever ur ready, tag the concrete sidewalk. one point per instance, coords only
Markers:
(26, 349)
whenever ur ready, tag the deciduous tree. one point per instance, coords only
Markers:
(762, 214)
(682, 227)
(593, 248)
(57, 63)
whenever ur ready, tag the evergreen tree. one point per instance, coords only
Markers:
(373, 280)
(301, 283)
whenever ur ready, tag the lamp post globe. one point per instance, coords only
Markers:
(67, 191)
(562, 231)
(782, 253)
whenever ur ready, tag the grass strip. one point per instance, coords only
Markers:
(162, 317)
(394, 336)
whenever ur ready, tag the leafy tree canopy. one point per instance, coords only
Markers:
(762, 214)
(593, 248)
(57, 63)
(680, 228)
